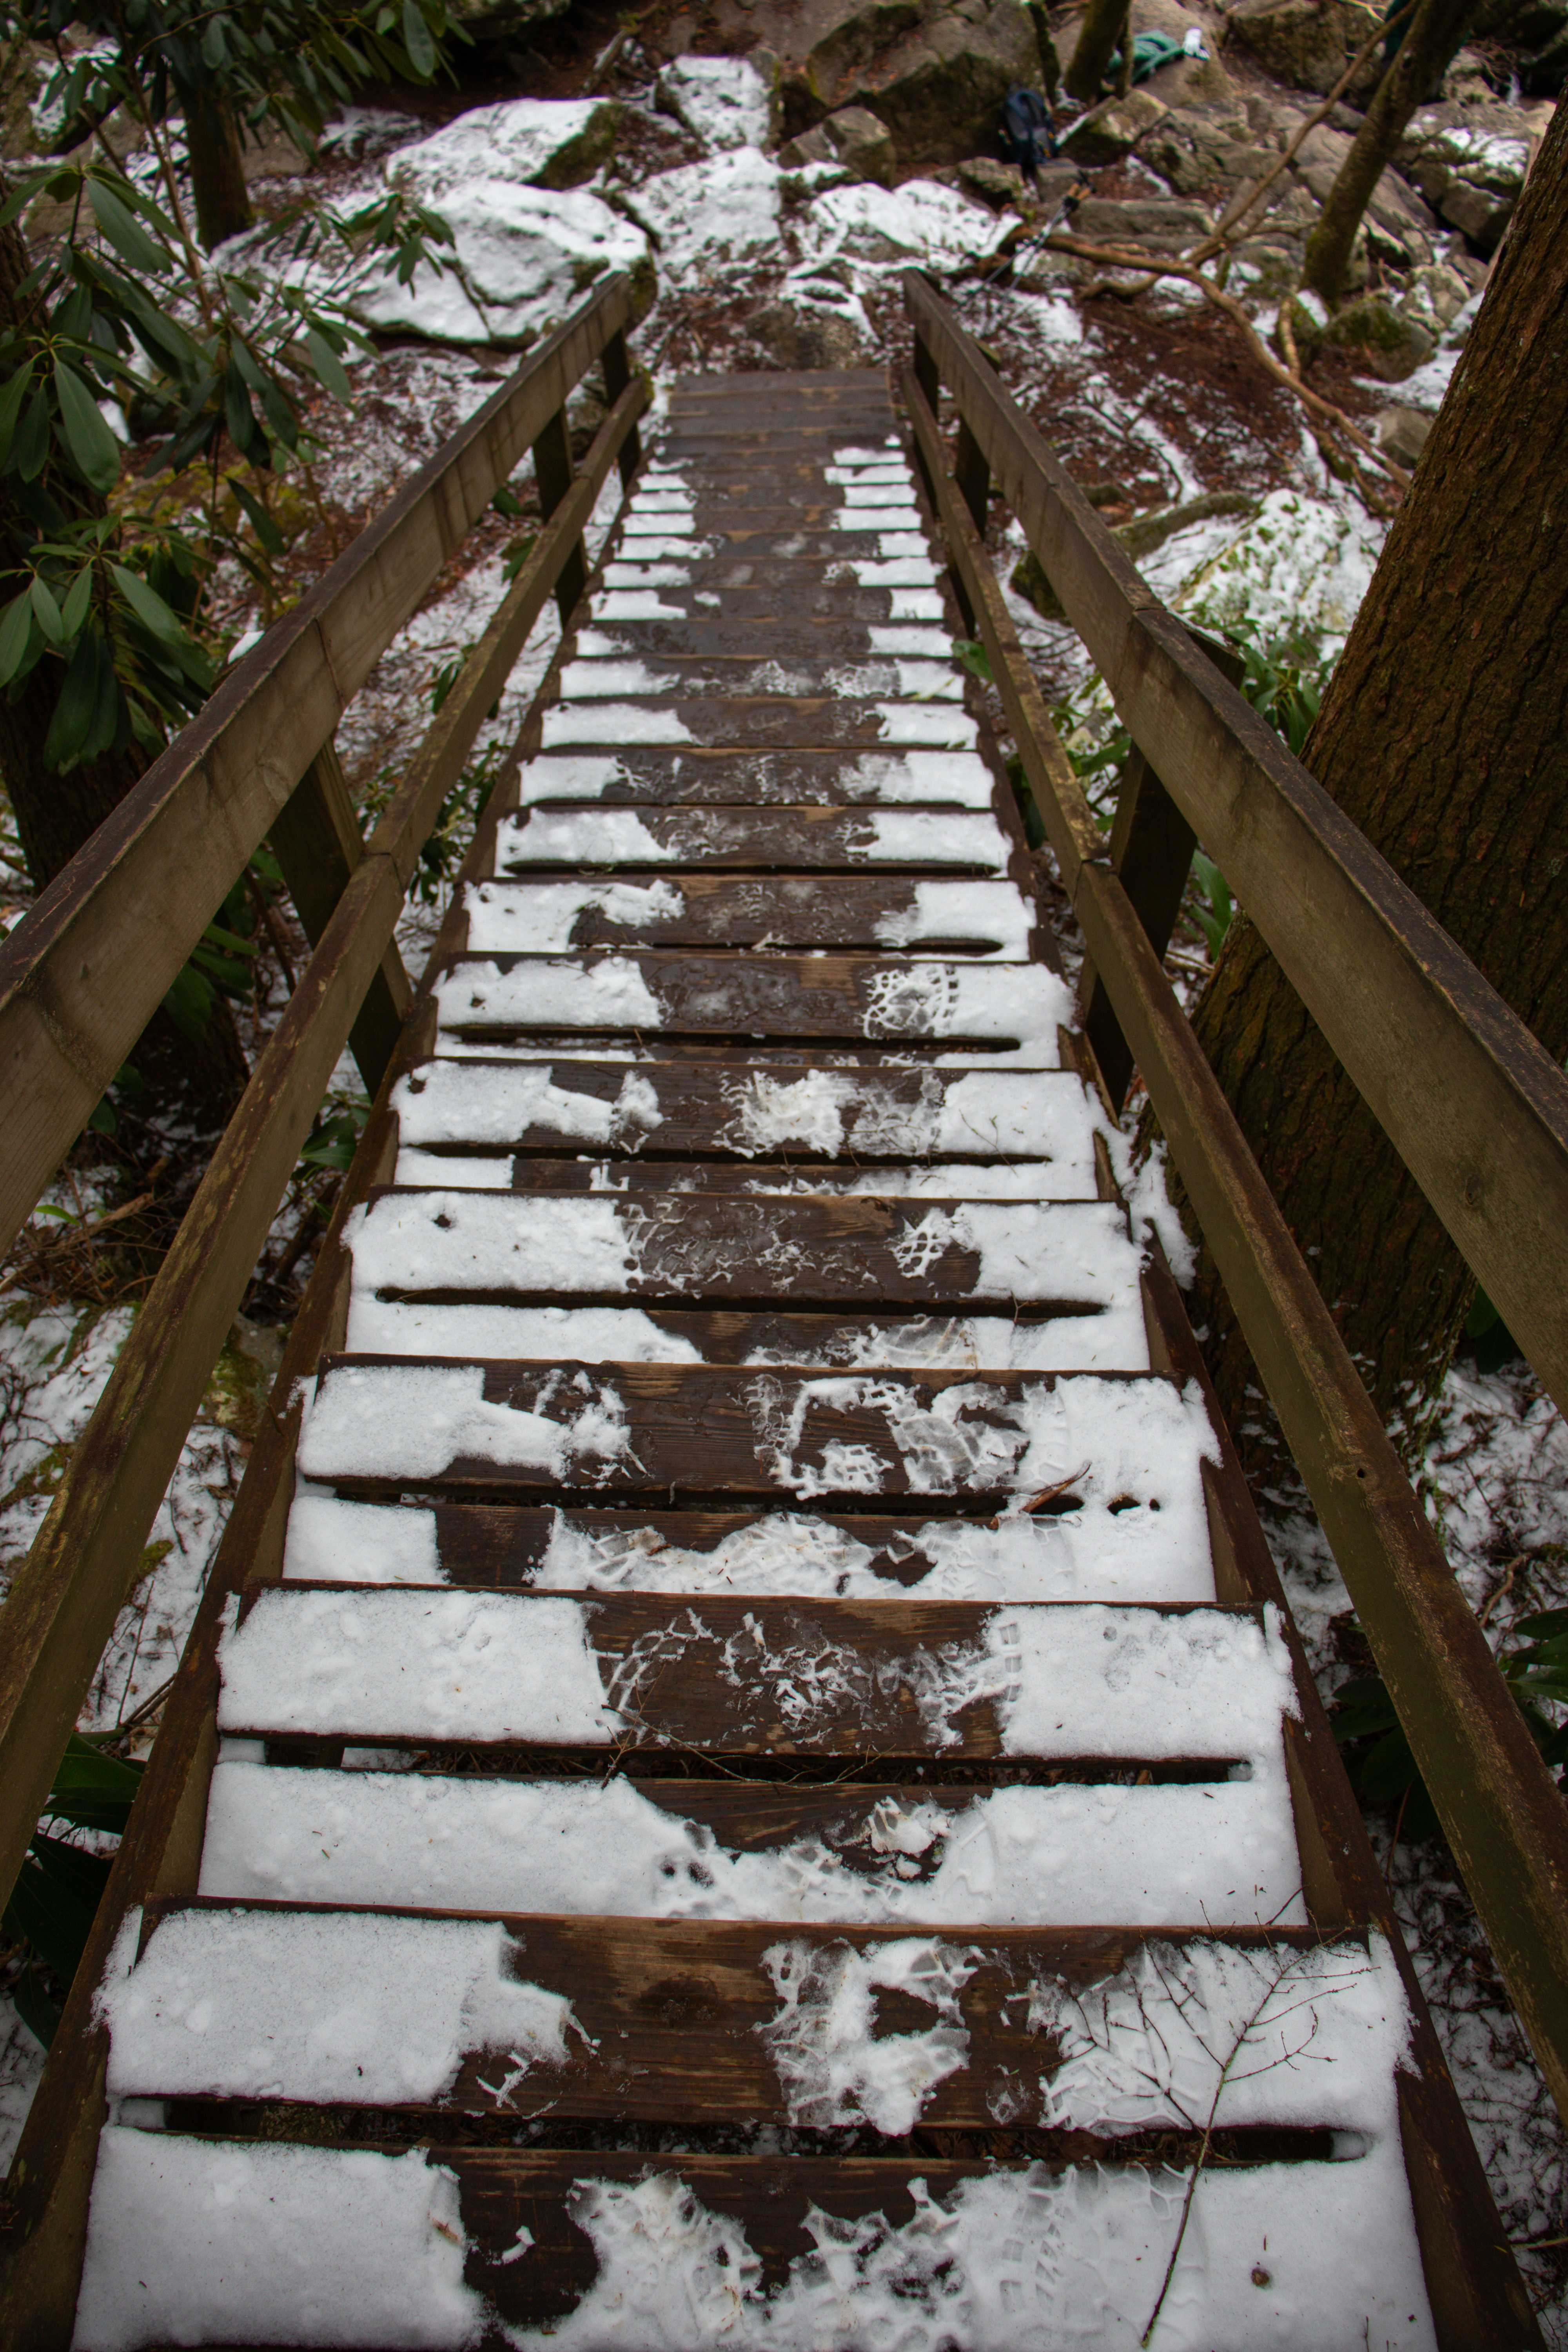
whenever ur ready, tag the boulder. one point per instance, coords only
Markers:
(1401, 432)
(997, 185)
(1384, 340)
(853, 138)
(1159, 223)
(1435, 296)
(724, 101)
(1109, 131)
(810, 333)
(1300, 41)
(703, 218)
(935, 75)
(529, 255)
(1469, 163)
(533, 141)
(1195, 151)
(1264, 268)
(920, 221)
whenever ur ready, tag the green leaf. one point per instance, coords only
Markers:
(32, 443)
(328, 366)
(417, 41)
(46, 612)
(93, 446)
(16, 629)
(79, 596)
(72, 722)
(189, 1002)
(11, 401)
(507, 502)
(972, 655)
(261, 522)
(53, 1902)
(147, 605)
(125, 232)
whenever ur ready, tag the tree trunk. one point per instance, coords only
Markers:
(1437, 31)
(1099, 35)
(217, 172)
(202, 1077)
(1444, 734)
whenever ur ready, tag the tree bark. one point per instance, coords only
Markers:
(1444, 734)
(217, 172)
(1439, 28)
(1101, 30)
(202, 1077)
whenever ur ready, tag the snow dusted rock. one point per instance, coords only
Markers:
(703, 218)
(547, 142)
(724, 101)
(1159, 223)
(936, 76)
(1388, 342)
(1403, 433)
(921, 219)
(530, 252)
(814, 329)
(1469, 163)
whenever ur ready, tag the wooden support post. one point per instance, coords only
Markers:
(618, 375)
(973, 476)
(318, 843)
(1152, 847)
(552, 472)
(929, 383)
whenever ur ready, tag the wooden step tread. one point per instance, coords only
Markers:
(630, 1428)
(859, 913)
(1035, 1180)
(1111, 1536)
(714, 1674)
(934, 841)
(678, 1109)
(661, 776)
(819, 721)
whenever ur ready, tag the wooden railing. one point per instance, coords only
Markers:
(1476, 1108)
(82, 973)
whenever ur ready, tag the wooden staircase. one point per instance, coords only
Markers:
(767, 1794)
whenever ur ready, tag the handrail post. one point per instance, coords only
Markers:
(316, 840)
(552, 472)
(618, 375)
(1152, 847)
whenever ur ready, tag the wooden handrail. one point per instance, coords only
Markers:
(87, 967)
(88, 1553)
(1395, 998)
(1501, 1810)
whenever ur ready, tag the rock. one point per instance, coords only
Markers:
(530, 253)
(724, 101)
(1162, 224)
(1263, 268)
(997, 185)
(702, 217)
(936, 76)
(532, 141)
(1386, 342)
(1401, 432)
(810, 334)
(1110, 131)
(854, 138)
(919, 221)
(1435, 296)
(1195, 151)
(1469, 163)
(1300, 41)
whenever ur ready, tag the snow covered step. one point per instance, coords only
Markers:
(1037, 1339)
(218, 2243)
(846, 627)
(996, 1179)
(804, 583)
(803, 839)
(774, 1251)
(814, 721)
(768, 538)
(988, 918)
(1014, 1441)
(883, 508)
(657, 776)
(970, 1012)
(1123, 1687)
(1157, 1854)
(490, 2016)
(682, 1109)
(1133, 1528)
(698, 675)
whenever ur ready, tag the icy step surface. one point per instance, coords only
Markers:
(1220, 1854)
(494, 1667)
(932, 838)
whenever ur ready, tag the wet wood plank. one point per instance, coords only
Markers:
(786, 840)
(586, 1432)
(782, 910)
(806, 721)
(659, 775)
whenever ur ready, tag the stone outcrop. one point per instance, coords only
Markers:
(1303, 42)
(1109, 131)
(1164, 225)
(1470, 163)
(935, 72)
(853, 138)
